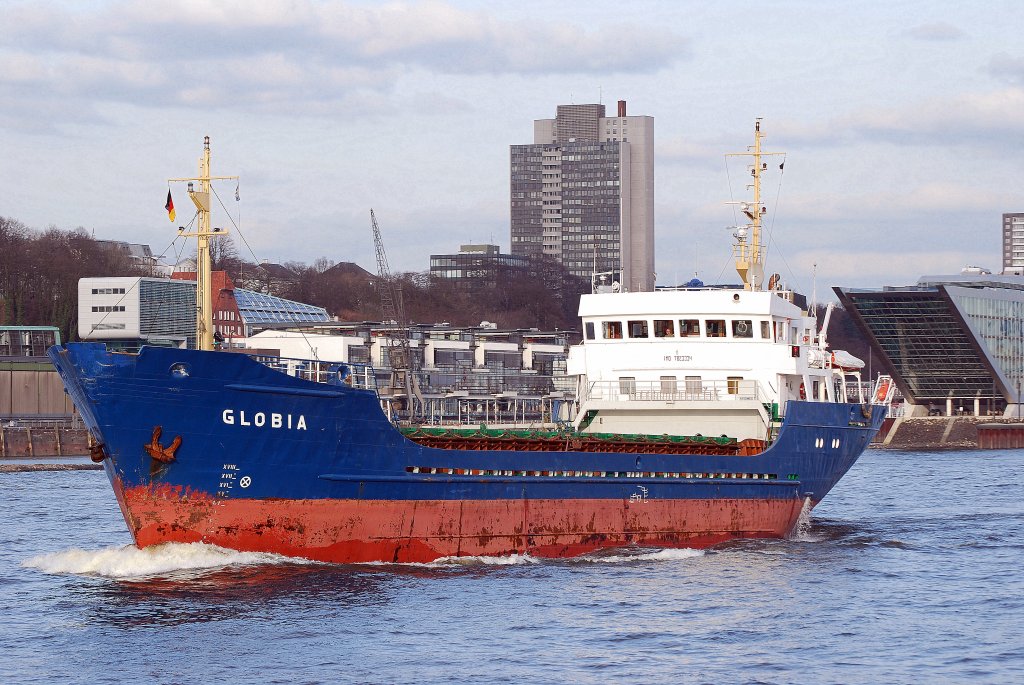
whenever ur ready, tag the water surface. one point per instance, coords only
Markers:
(909, 572)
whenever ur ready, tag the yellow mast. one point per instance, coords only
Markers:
(203, 234)
(750, 255)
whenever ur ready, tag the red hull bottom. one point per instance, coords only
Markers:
(346, 531)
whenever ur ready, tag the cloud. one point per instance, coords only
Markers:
(935, 31)
(987, 118)
(289, 56)
(1007, 68)
(873, 268)
(938, 198)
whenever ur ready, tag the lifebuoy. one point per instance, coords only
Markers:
(807, 339)
(741, 327)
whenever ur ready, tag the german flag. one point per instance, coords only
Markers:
(169, 206)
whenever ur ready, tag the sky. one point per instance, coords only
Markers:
(902, 123)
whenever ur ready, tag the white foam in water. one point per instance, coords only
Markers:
(510, 560)
(802, 529)
(447, 562)
(131, 562)
(526, 559)
(670, 554)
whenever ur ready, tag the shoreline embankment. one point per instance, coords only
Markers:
(950, 432)
(45, 441)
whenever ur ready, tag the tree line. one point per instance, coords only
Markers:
(39, 273)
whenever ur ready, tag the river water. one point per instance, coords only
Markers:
(911, 571)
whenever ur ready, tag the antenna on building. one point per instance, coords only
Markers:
(814, 288)
(600, 95)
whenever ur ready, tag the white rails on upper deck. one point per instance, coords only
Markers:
(675, 391)
(330, 373)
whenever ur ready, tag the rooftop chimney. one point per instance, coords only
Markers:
(622, 108)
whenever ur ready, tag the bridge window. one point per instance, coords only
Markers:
(664, 328)
(766, 330)
(590, 330)
(715, 328)
(638, 329)
(689, 327)
(612, 329)
(742, 328)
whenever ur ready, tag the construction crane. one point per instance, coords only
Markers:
(403, 372)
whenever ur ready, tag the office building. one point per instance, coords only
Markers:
(1013, 243)
(477, 266)
(583, 194)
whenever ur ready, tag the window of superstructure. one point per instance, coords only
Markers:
(766, 330)
(638, 328)
(694, 386)
(742, 328)
(734, 384)
(611, 330)
(589, 326)
(627, 385)
(668, 385)
(689, 327)
(664, 328)
(715, 328)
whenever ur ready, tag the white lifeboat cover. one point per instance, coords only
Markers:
(846, 361)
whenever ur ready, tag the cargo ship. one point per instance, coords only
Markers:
(702, 415)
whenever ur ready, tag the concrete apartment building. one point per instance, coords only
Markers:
(583, 193)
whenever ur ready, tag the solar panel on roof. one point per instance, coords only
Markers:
(261, 308)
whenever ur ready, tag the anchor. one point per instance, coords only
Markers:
(97, 452)
(157, 451)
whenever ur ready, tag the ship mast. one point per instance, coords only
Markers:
(748, 250)
(203, 234)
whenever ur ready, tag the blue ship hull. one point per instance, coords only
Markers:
(216, 447)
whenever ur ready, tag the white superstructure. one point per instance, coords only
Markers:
(708, 361)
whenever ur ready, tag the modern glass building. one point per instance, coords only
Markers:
(583, 193)
(477, 266)
(128, 312)
(949, 340)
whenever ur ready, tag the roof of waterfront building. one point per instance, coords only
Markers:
(957, 336)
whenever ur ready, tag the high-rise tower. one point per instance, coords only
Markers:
(1013, 243)
(583, 193)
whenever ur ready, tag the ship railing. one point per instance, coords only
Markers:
(318, 371)
(676, 391)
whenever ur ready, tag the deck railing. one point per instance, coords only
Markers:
(331, 373)
(675, 391)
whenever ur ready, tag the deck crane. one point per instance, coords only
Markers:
(403, 383)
